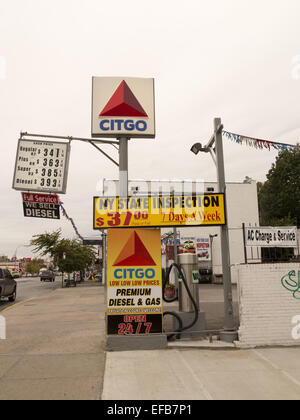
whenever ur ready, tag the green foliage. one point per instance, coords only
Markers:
(78, 256)
(34, 265)
(45, 243)
(279, 196)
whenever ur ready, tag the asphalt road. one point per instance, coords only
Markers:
(29, 287)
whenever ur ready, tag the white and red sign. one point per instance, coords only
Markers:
(41, 198)
(123, 107)
(45, 206)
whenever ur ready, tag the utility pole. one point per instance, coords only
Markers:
(229, 334)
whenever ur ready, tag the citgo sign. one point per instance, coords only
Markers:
(134, 283)
(123, 107)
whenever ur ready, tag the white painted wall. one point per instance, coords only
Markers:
(266, 307)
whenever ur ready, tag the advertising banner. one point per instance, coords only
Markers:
(134, 282)
(160, 211)
(196, 245)
(270, 237)
(45, 206)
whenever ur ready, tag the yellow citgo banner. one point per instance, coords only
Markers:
(134, 282)
(159, 211)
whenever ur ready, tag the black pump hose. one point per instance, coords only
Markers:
(196, 309)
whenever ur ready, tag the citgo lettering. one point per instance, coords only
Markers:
(118, 125)
(130, 273)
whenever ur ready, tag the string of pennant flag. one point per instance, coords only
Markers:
(64, 213)
(258, 143)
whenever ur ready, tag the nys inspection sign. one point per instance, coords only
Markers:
(134, 282)
(159, 211)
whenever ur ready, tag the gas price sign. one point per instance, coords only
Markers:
(41, 166)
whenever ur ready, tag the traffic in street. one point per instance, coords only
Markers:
(30, 287)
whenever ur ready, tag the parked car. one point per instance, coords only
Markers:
(47, 275)
(15, 274)
(8, 286)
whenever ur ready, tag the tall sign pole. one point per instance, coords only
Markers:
(123, 166)
(229, 334)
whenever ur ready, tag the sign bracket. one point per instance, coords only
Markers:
(113, 143)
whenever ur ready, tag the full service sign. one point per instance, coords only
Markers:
(269, 237)
(123, 107)
(163, 211)
(134, 282)
(41, 166)
(43, 206)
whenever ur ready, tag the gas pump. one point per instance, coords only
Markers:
(188, 321)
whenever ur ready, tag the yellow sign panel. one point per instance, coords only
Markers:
(159, 211)
(134, 282)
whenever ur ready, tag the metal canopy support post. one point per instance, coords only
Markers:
(229, 334)
(244, 239)
(123, 167)
(175, 244)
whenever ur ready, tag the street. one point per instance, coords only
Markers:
(29, 287)
(54, 346)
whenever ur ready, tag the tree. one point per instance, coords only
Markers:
(279, 196)
(34, 265)
(78, 256)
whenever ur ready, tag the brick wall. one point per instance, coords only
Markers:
(266, 307)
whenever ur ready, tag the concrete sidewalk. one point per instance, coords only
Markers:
(54, 347)
(201, 374)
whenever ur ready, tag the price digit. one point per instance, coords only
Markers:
(128, 218)
(116, 221)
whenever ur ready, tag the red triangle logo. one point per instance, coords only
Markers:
(123, 103)
(134, 254)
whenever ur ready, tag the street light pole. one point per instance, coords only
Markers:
(229, 334)
(215, 148)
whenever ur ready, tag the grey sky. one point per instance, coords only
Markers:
(234, 59)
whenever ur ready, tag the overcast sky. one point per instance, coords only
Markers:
(234, 59)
